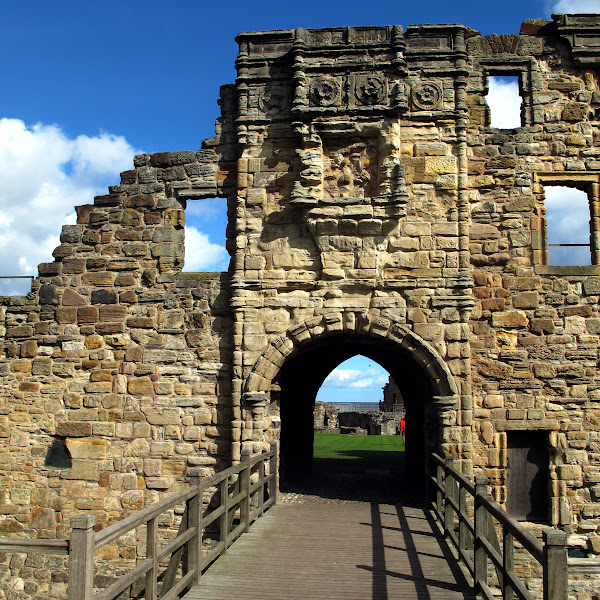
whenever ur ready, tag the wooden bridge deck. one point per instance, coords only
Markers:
(332, 551)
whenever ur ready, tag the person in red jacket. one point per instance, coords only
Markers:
(402, 428)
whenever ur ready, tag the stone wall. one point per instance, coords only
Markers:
(374, 423)
(372, 209)
(392, 398)
(326, 417)
(116, 357)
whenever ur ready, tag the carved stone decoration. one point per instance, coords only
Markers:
(256, 400)
(274, 100)
(501, 44)
(399, 95)
(324, 91)
(370, 89)
(350, 170)
(427, 96)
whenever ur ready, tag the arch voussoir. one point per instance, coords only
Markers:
(274, 356)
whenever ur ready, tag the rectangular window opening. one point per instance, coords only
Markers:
(567, 225)
(504, 101)
(205, 235)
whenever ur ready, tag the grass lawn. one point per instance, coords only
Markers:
(358, 451)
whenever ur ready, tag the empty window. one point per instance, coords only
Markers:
(567, 225)
(504, 102)
(205, 226)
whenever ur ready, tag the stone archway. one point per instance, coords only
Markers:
(285, 379)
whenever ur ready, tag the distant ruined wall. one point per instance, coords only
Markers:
(326, 417)
(374, 423)
(369, 202)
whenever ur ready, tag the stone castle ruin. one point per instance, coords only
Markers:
(372, 210)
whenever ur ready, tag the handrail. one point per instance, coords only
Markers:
(116, 530)
(235, 511)
(477, 540)
(28, 546)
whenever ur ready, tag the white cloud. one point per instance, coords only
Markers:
(44, 175)
(575, 6)
(504, 102)
(354, 378)
(209, 209)
(201, 254)
(568, 222)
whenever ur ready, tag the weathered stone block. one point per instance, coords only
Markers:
(513, 319)
(140, 386)
(86, 448)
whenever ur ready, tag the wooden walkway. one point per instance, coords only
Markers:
(333, 551)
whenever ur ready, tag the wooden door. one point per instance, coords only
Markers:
(527, 475)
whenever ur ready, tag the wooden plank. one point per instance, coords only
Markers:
(58, 547)
(336, 551)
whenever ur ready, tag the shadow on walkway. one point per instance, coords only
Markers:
(358, 480)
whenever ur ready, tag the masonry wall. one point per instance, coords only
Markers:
(369, 202)
(116, 358)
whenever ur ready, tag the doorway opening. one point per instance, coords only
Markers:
(356, 440)
(527, 475)
(301, 378)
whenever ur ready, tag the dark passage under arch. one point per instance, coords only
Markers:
(304, 372)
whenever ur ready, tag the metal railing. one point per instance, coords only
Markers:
(240, 503)
(476, 541)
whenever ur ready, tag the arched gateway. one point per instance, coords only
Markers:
(284, 382)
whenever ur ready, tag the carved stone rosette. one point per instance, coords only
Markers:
(324, 91)
(426, 96)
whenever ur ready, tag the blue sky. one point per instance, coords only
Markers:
(86, 85)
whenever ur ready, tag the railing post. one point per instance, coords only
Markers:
(463, 531)
(81, 558)
(151, 552)
(245, 488)
(556, 577)
(481, 517)
(440, 495)
(448, 493)
(195, 507)
(224, 518)
(261, 489)
(508, 563)
(273, 471)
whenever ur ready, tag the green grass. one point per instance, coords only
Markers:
(373, 449)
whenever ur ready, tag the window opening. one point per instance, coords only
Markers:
(205, 235)
(504, 102)
(567, 226)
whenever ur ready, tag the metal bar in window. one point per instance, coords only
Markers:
(584, 245)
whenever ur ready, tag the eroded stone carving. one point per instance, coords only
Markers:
(324, 91)
(426, 96)
(350, 170)
(370, 89)
(274, 100)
